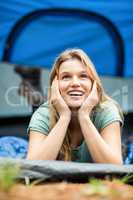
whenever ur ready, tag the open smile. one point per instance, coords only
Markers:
(75, 93)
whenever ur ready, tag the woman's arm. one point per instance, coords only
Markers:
(42, 147)
(106, 146)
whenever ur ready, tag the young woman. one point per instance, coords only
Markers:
(79, 122)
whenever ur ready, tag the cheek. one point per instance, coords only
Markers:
(62, 86)
(87, 85)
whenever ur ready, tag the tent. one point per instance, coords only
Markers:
(33, 33)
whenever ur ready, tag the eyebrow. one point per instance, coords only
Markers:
(67, 72)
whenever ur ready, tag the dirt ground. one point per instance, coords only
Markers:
(69, 191)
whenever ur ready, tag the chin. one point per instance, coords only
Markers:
(75, 105)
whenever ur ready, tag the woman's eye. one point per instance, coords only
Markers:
(84, 76)
(66, 77)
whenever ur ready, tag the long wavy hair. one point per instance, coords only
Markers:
(65, 151)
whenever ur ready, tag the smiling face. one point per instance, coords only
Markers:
(74, 82)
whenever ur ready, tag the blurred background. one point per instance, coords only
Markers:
(33, 33)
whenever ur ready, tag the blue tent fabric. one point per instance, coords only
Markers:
(42, 39)
(129, 157)
(38, 54)
(13, 147)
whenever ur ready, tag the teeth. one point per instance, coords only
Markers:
(76, 93)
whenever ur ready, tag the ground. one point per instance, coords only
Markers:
(105, 190)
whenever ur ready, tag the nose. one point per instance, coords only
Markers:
(75, 81)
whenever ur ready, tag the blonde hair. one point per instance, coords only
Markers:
(65, 151)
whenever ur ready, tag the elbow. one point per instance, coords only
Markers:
(31, 156)
(118, 161)
(114, 161)
(39, 157)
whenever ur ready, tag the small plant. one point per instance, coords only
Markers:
(8, 175)
(96, 187)
(125, 179)
(38, 181)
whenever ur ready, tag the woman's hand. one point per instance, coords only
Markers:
(57, 100)
(90, 102)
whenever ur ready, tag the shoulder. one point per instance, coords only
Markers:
(44, 106)
(40, 119)
(106, 113)
(43, 110)
(108, 105)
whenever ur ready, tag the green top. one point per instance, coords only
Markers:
(104, 115)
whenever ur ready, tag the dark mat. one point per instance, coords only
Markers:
(70, 171)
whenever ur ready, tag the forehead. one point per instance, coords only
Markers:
(72, 65)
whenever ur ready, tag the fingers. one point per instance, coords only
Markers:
(94, 86)
(94, 93)
(55, 86)
(54, 82)
(55, 94)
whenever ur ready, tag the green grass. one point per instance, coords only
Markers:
(96, 187)
(126, 179)
(8, 175)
